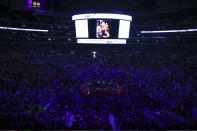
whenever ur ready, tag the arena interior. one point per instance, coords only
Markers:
(50, 81)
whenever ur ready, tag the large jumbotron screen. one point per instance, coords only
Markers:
(102, 28)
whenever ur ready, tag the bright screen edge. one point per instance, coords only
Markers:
(101, 41)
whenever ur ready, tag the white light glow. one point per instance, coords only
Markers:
(22, 29)
(81, 28)
(124, 28)
(101, 41)
(101, 16)
(94, 54)
(169, 31)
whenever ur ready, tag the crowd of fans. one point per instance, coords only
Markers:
(60, 29)
(171, 21)
(39, 87)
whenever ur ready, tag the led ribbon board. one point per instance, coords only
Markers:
(168, 31)
(23, 29)
(84, 33)
(102, 41)
(102, 16)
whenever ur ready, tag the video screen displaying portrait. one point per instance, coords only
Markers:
(103, 29)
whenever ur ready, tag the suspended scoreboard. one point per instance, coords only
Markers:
(102, 28)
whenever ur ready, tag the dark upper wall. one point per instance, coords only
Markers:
(124, 5)
(17, 5)
(4, 3)
(174, 6)
(188, 4)
(167, 6)
(135, 6)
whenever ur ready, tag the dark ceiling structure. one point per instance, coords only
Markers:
(134, 6)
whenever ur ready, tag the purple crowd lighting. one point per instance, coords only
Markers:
(47, 81)
(124, 93)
